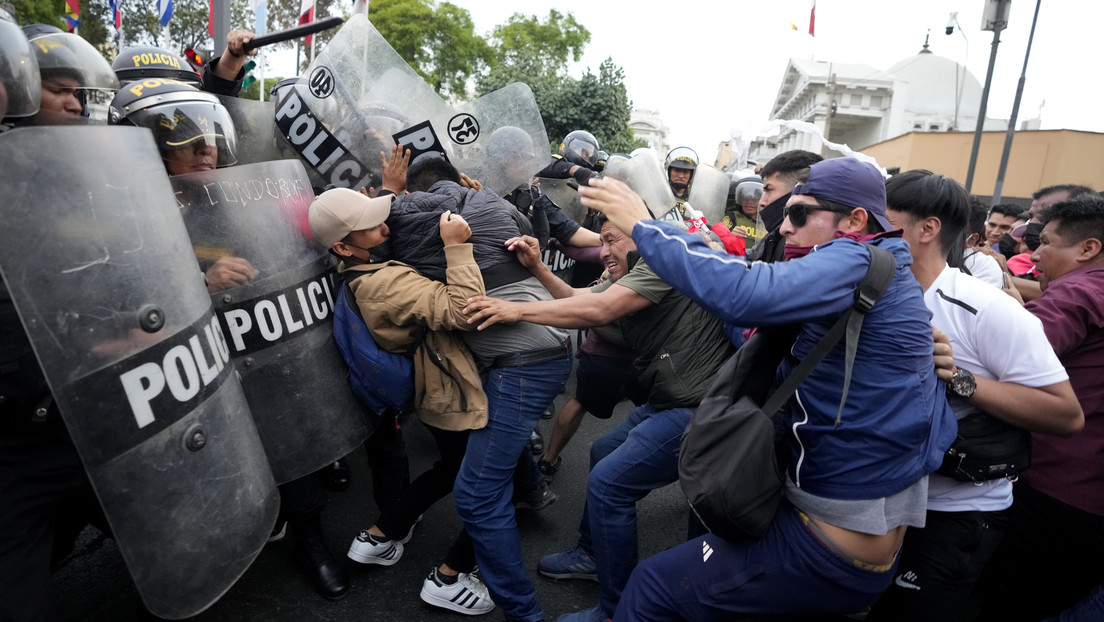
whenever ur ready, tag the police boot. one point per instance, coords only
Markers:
(330, 578)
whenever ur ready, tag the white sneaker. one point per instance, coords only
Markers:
(366, 549)
(467, 596)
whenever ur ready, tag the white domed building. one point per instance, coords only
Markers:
(859, 105)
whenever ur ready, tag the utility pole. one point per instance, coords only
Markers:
(995, 18)
(1011, 133)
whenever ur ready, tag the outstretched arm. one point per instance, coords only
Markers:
(584, 311)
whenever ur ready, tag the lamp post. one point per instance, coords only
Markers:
(960, 83)
(1011, 132)
(995, 18)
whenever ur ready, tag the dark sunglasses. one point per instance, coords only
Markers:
(798, 212)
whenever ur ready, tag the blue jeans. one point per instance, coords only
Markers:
(635, 458)
(516, 397)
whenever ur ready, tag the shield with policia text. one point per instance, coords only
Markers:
(359, 97)
(98, 263)
(278, 326)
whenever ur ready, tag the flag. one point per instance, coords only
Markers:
(306, 15)
(165, 8)
(812, 20)
(116, 17)
(260, 16)
(72, 14)
(792, 25)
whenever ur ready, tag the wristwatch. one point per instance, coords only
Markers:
(962, 384)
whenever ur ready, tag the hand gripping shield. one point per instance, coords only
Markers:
(98, 263)
(278, 326)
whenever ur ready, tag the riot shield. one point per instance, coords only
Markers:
(645, 175)
(708, 192)
(278, 326)
(97, 260)
(359, 97)
(255, 129)
(560, 192)
(499, 138)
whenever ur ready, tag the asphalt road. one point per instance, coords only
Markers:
(93, 584)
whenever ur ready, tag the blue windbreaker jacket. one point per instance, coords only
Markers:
(896, 424)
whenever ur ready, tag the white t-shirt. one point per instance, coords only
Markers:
(994, 337)
(984, 268)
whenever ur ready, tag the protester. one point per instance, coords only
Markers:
(845, 513)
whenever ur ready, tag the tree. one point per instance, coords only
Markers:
(437, 41)
(47, 12)
(555, 41)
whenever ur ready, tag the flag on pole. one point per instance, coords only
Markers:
(260, 15)
(812, 20)
(116, 17)
(306, 15)
(165, 9)
(211, 18)
(72, 14)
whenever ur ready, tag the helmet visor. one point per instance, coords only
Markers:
(66, 54)
(190, 131)
(20, 88)
(582, 149)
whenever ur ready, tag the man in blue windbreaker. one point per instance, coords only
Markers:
(854, 482)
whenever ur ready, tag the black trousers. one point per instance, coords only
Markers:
(429, 488)
(1049, 560)
(940, 564)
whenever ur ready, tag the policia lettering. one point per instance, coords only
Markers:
(154, 58)
(255, 324)
(315, 144)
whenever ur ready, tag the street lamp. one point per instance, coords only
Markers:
(994, 17)
(960, 83)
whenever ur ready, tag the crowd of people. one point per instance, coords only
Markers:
(994, 311)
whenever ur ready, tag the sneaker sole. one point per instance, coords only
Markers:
(372, 559)
(436, 601)
(568, 575)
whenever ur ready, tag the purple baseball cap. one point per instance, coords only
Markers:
(849, 182)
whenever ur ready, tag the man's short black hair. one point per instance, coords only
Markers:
(427, 170)
(1007, 209)
(1074, 190)
(1078, 219)
(979, 212)
(789, 164)
(923, 194)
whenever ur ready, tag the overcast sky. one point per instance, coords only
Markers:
(708, 66)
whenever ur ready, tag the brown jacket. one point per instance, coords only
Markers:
(399, 305)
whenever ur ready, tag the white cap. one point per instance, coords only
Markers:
(338, 212)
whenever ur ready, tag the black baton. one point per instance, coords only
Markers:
(292, 33)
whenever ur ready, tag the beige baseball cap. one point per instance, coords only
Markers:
(338, 212)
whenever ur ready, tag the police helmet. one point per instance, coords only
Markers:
(70, 62)
(146, 61)
(682, 157)
(179, 115)
(20, 82)
(603, 159)
(745, 189)
(580, 147)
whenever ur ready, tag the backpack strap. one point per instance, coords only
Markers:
(877, 279)
(350, 301)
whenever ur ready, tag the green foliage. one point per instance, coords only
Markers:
(437, 40)
(48, 12)
(598, 104)
(251, 91)
(555, 41)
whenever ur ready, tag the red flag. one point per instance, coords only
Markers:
(211, 18)
(306, 15)
(812, 20)
(72, 15)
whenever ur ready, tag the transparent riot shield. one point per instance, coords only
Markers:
(278, 326)
(98, 264)
(255, 129)
(359, 97)
(645, 175)
(499, 138)
(563, 193)
(708, 192)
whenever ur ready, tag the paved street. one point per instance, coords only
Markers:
(93, 585)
